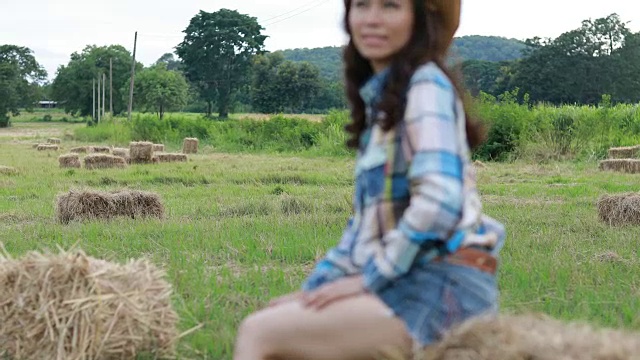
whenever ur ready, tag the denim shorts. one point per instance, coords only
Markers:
(435, 296)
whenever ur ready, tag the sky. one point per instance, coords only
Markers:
(54, 29)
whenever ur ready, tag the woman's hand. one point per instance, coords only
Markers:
(286, 298)
(332, 292)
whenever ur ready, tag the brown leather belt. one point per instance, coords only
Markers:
(475, 258)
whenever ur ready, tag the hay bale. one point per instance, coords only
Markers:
(54, 141)
(190, 146)
(158, 147)
(479, 164)
(628, 152)
(8, 170)
(532, 337)
(122, 152)
(82, 150)
(141, 152)
(81, 205)
(35, 146)
(69, 161)
(101, 149)
(630, 166)
(104, 161)
(47, 147)
(72, 306)
(620, 209)
(170, 157)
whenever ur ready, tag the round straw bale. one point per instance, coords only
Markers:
(621, 165)
(69, 161)
(620, 209)
(53, 141)
(96, 205)
(170, 157)
(190, 146)
(158, 147)
(7, 170)
(101, 149)
(629, 152)
(46, 147)
(72, 306)
(532, 337)
(104, 161)
(141, 152)
(82, 149)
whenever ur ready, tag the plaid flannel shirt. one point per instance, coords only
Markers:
(415, 187)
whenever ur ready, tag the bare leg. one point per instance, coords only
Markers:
(352, 329)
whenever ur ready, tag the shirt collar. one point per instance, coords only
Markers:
(371, 91)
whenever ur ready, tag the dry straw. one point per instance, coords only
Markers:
(170, 157)
(53, 141)
(141, 152)
(69, 161)
(620, 209)
(82, 205)
(82, 149)
(629, 152)
(69, 306)
(190, 146)
(532, 337)
(47, 147)
(8, 170)
(123, 153)
(158, 147)
(102, 149)
(621, 165)
(104, 161)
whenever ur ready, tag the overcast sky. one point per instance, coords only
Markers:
(54, 29)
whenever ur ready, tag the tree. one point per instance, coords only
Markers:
(169, 60)
(73, 85)
(19, 77)
(217, 52)
(160, 90)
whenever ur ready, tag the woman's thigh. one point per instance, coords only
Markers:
(361, 327)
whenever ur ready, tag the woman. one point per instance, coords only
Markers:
(418, 256)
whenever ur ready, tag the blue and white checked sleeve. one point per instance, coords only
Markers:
(436, 182)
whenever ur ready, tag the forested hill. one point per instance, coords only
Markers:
(489, 48)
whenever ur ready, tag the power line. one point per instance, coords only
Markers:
(290, 11)
(296, 14)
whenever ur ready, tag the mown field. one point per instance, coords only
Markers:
(242, 228)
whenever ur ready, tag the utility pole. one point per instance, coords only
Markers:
(93, 108)
(99, 108)
(133, 74)
(111, 86)
(104, 86)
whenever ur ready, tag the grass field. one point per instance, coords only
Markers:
(241, 229)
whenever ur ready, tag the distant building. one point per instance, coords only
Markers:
(47, 104)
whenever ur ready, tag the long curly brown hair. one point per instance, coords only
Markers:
(429, 43)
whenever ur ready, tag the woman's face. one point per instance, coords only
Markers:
(380, 29)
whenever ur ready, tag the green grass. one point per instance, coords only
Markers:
(243, 228)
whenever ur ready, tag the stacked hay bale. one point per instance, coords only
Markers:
(170, 157)
(123, 153)
(141, 152)
(7, 170)
(622, 159)
(101, 149)
(158, 147)
(82, 149)
(53, 141)
(69, 161)
(190, 146)
(95, 205)
(620, 209)
(72, 306)
(532, 337)
(47, 147)
(104, 161)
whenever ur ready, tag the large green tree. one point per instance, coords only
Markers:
(73, 85)
(160, 90)
(217, 52)
(20, 74)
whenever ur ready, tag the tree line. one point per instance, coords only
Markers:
(221, 66)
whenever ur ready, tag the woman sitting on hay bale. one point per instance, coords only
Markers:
(418, 256)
